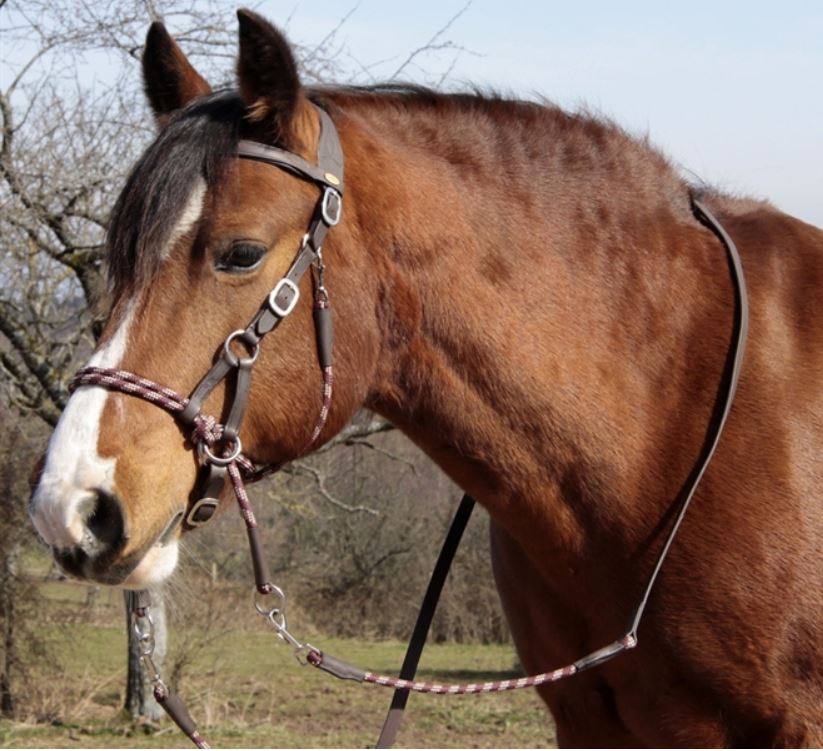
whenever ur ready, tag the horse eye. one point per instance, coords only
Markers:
(241, 257)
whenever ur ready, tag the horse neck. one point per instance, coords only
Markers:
(542, 322)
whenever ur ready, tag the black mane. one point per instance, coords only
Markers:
(198, 142)
(201, 140)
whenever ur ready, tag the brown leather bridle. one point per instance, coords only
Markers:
(218, 445)
(220, 450)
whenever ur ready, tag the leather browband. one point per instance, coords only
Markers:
(328, 171)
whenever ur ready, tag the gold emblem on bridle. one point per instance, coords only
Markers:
(333, 179)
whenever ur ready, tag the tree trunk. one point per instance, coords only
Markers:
(140, 702)
(8, 613)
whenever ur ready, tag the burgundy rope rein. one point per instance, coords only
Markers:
(219, 448)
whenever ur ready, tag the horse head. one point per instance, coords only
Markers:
(197, 240)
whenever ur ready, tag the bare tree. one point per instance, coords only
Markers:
(67, 139)
(19, 600)
(73, 120)
(68, 135)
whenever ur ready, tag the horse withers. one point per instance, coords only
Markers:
(526, 294)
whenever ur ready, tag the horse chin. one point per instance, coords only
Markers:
(154, 568)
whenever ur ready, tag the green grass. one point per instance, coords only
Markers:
(245, 689)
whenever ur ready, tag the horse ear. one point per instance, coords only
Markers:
(267, 74)
(170, 80)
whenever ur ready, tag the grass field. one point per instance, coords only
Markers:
(245, 689)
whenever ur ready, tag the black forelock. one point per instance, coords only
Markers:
(197, 143)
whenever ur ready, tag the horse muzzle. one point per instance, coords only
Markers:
(88, 537)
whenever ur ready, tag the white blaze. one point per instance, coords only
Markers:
(74, 470)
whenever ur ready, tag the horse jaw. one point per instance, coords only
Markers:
(155, 567)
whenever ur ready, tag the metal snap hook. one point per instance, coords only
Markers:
(266, 610)
(145, 637)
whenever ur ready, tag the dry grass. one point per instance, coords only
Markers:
(245, 689)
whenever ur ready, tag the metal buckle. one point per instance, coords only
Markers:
(275, 308)
(331, 206)
(202, 503)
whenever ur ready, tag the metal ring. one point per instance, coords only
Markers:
(275, 590)
(233, 359)
(223, 461)
(301, 652)
(202, 503)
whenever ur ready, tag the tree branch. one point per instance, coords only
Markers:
(320, 479)
(381, 450)
(32, 399)
(34, 361)
(432, 44)
(357, 431)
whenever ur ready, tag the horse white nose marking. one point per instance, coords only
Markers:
(74, 472)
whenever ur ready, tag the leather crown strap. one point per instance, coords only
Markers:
(327, 174)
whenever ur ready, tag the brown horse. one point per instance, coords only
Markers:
(527, 294)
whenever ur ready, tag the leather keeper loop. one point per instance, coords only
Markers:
(324, 333)
(262, 579)
(176, 709)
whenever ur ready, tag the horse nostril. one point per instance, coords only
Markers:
(105, 522)
(72, 560)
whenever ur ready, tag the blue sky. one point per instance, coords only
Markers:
(730, 91)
